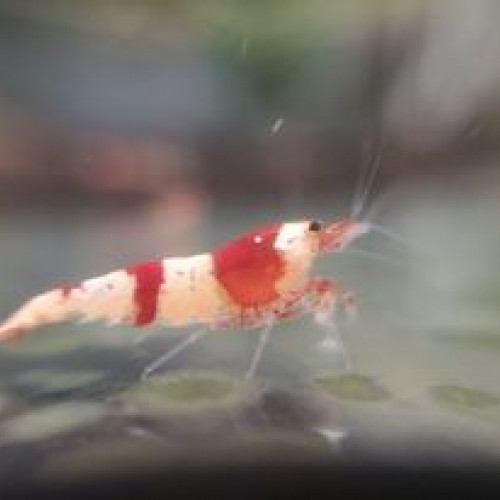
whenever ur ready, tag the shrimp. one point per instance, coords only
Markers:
(251, 282)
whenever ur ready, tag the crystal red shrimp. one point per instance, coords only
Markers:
(253, 281)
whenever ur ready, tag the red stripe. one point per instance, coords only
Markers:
(249, 267)
(148, 280)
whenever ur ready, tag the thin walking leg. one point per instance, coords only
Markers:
(326, 297)
(263, 338)
(333, 340)
(165, 358)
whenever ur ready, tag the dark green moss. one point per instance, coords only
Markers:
(184, 389)
(49, 421)
(187, 392)
(462, 397)
(355, 387)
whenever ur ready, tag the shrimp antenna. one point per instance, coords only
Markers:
(398, 238)
(365, 182)
(378, 256)
(361, 182)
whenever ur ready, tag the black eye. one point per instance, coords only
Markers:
(315, 226)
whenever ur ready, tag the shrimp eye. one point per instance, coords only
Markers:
(315, 226)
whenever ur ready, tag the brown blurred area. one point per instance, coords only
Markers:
(180, 103)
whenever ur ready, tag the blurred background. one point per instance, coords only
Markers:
(110, 102)
(132, 130)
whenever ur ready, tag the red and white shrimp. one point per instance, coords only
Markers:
(253, 281)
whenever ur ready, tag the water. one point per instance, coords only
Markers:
(425, 350)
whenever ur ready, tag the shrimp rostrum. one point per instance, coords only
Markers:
(251, 282)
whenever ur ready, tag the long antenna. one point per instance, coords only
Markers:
(378, 256)
(398, 238)
(360, 183)
(367, 178)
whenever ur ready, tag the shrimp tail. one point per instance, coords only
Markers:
(44, 309)
(126, 296)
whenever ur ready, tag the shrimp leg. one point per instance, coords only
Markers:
(326, 298)
(263, 338)
(166, 357)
